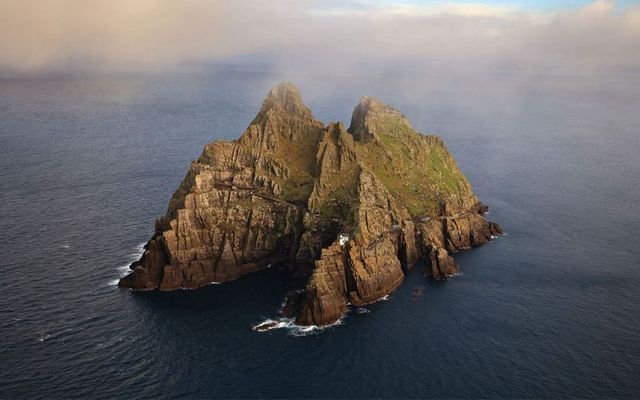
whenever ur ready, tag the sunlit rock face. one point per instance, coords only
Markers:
(349, 211)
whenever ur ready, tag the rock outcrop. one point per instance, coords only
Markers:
(349, 211)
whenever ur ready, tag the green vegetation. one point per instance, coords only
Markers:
(418, 171)
(297, 191)
(338, 203)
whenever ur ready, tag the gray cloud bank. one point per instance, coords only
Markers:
(42, 35)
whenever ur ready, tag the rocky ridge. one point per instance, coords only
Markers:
(349, 211)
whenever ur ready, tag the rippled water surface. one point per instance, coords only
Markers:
(548, 310)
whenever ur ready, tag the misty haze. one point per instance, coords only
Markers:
(323, 199)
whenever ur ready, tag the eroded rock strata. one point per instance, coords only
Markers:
(348, 210)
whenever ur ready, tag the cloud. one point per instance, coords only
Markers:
(597, 9)
(38, 35)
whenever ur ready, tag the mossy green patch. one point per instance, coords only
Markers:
(297, 191)
(417, 171)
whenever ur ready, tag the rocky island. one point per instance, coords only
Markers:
(348, 211)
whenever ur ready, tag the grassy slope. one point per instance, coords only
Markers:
(418, 170)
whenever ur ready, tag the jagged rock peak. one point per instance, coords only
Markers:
(348, 212)
(286, 97)
(372, 104)
(371, 108)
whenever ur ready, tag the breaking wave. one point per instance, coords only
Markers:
(123, 270)
(292, 328)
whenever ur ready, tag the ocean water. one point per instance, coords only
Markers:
(548, 310)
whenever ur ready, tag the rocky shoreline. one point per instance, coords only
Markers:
(349, 211)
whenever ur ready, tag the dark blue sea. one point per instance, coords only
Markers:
(549, 310)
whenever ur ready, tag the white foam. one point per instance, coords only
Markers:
(313, 329)
(294, 329)
(383, 298)
(362, 310)
(44, 337)
(125, 270)
(138, 251)
(307, 329)
(65, 246)
(271, 324)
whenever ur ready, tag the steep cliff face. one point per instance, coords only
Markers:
(350, 210)
(241, 205)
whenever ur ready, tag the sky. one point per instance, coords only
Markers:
(102, 35)
(531, 5)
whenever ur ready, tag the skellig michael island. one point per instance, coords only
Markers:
(348, 211)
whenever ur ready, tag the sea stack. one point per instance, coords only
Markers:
(349, 211)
